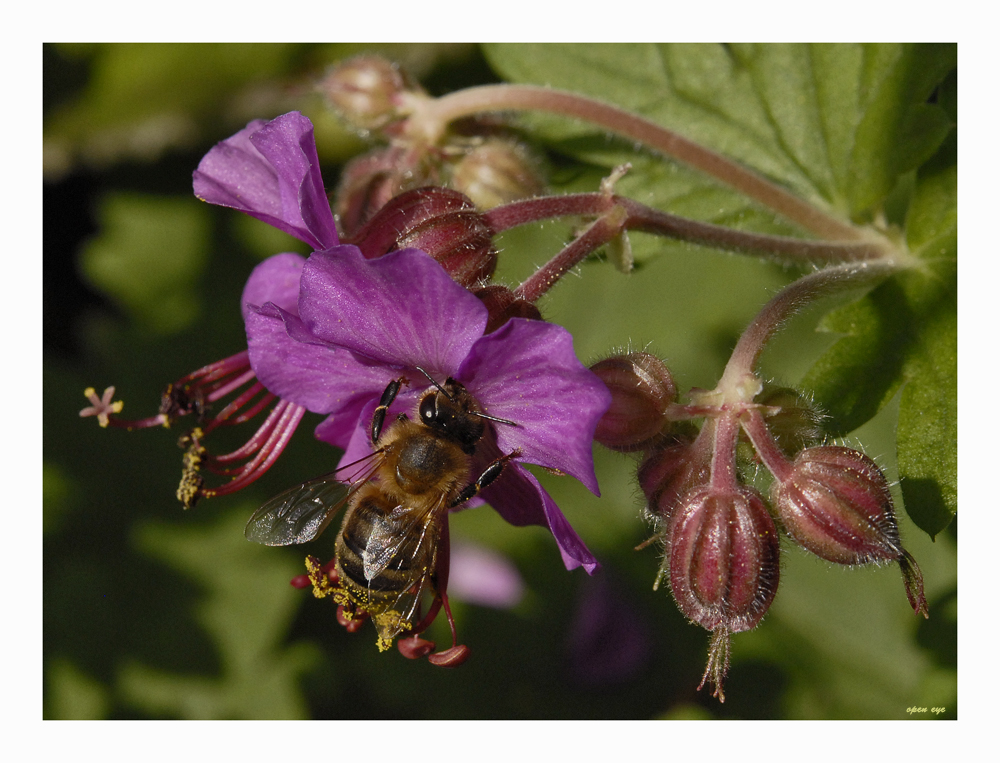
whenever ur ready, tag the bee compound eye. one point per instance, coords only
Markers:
(428, 409)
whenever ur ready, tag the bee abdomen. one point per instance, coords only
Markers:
(371, 530)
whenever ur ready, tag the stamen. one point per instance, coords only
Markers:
(287, 417)
(194, 393)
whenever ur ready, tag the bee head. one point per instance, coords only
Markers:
(451, 411)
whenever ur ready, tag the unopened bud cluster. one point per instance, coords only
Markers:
(476, 156)
(446, 225)
(721, 536)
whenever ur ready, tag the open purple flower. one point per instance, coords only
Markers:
(329, 333)
(331, 341)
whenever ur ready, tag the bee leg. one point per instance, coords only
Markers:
(378, 418)
(490, 473)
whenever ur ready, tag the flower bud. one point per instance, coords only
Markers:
(668, 473)
(723, 558)
(641, 390)
(364, 90)
(497, 172)
(797, 424)
(442, 222)
(836, 503)
(369, 181)
(503, 304)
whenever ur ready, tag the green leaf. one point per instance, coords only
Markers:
(904, 334)
(142, 99)
(247, 609)
(844, 127)
(837, 124)
(149, 256)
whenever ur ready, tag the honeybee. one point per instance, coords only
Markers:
(398, 499)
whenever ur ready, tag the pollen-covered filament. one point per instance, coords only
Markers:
(195, 393)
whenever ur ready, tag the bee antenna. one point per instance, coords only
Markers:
(494, 418)
(474, 413)
(433, 381)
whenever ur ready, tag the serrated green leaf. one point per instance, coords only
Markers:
(898, 129)
(841, 125)
(838, 124)
(905, 333)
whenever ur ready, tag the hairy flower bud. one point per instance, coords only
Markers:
(442, 222)
(503, 304)
(836, 503)
(668, 473)
(797, 424)
(641, 390)
(723, 558)
(370, 181)
(364, 90)
(496, 172)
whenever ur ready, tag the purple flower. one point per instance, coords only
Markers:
(329, 333)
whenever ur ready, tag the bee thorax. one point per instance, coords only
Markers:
(425, 463)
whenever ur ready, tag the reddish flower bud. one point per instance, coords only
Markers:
(497, 172)
(641, 390)
(442, 222)
(668, 473)
(723, 558)
(797, 424)
(369, 181)
(503, 304)
(836, 503)
(364, 90)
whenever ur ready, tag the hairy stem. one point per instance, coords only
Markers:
(643, 219)
(789, 301)
(430, 117)
(599, 233)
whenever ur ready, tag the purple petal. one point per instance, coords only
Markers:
(401, 309)
(526, 372)
(271, 172)
(301, 369)
(521, 500)
(483, 577)
(275, 280)
(354, 435)
(337, 430)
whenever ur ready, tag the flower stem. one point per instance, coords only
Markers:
(790, 300)
(727, 428)
(765, 445)
(599, 233)
(643, 219)
(431, 117)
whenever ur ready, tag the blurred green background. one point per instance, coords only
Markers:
(153, 612)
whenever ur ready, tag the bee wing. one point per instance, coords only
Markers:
(301, 513)
(387, 545)
(389, 535)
